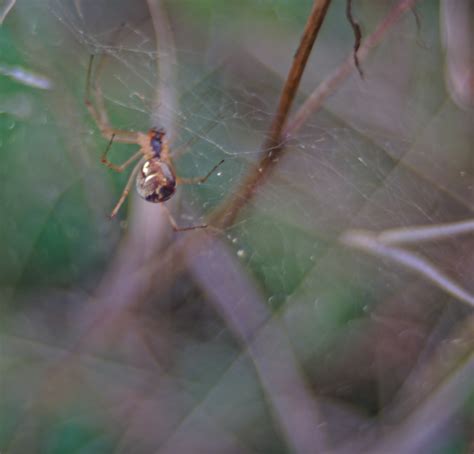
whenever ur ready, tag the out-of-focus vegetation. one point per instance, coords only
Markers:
(162, 368)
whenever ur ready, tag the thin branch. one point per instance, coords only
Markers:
(357, 35)
(226, 213)
(9, 4)
(368, 242)
(426, 233)
(328, 85)
(310, 32)
(273, 145)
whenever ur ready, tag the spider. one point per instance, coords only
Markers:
(156, 180)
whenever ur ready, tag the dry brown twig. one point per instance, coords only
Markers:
(328, 85)
(274, 142)
(282, 130)
(357, 35)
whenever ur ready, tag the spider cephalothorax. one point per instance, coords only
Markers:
(156, 136)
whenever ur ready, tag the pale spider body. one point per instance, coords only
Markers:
(156, 180)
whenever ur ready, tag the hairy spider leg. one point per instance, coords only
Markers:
(98, 111)
(175, 226)
(119, 168)
(127, 188)
(199, 180)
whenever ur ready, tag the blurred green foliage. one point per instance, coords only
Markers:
(348, 171)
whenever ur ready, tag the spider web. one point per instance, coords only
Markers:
(389, 150)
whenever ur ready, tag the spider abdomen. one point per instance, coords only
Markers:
(156, 181)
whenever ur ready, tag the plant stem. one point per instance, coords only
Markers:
(274, 142)
(328, 85)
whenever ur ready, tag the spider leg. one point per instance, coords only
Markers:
(198, 180)
(122, 167)
(175, 226)
(126, 190)
(98, 111)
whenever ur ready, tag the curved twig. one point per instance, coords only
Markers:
(370, 243)
(226, 213)
(328, 85)
(425, 233)
(274, 143)
(357, 35)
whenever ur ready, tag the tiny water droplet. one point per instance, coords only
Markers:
(361, 159)
(219, 174)
(234, 240)
(277, 300)
(241, 253)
